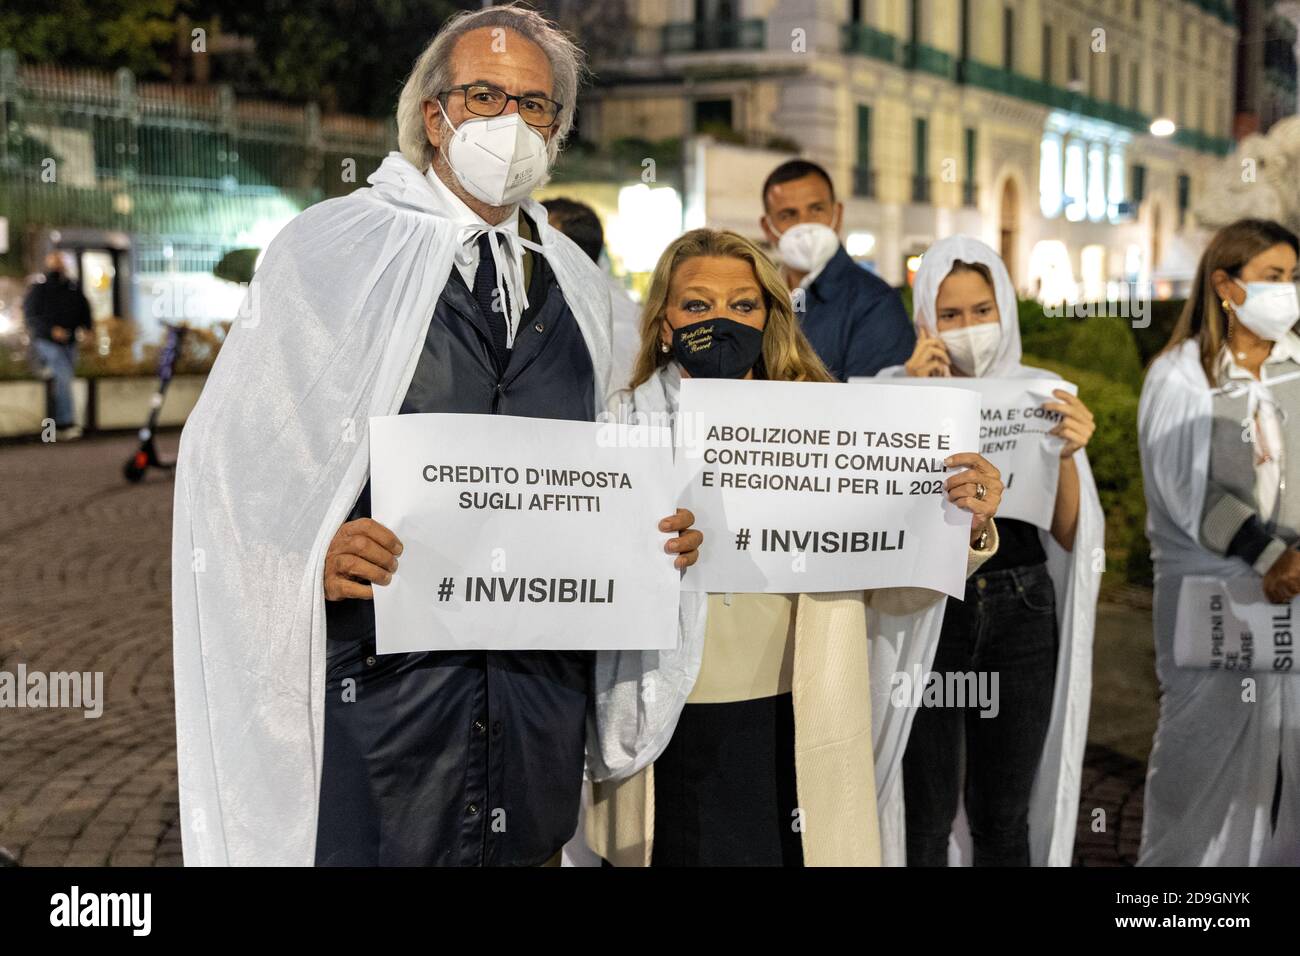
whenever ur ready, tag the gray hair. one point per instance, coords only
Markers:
(432, 74)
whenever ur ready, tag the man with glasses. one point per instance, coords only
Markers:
(440, 289)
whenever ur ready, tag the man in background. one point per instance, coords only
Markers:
(853, 318)
(580, 223)
(55, 312)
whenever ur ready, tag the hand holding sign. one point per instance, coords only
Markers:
(687, 544)
(977, 490)
(1076, 425)
(362, 553)
(1282, 582)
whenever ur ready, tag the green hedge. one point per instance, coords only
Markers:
(1102, 344)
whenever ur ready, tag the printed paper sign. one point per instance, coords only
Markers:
(524, 534)
(804, 487)
(1014, 437)
(1228, 624)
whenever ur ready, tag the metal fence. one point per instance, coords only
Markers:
(179, 169)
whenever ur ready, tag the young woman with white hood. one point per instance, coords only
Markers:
(755, 742)
(1219, 416)
(1028, 614)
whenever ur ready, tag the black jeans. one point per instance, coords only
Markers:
(1006, 627)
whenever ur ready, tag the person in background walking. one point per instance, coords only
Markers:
(55, 312)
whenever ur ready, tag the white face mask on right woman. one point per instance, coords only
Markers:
(973, 348)
(1270, 309)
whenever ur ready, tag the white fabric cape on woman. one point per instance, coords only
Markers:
(1054, 803)
(271, 461)
(1212, 776)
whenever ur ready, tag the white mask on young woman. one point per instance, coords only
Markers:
(973, 348)
(1270, 309)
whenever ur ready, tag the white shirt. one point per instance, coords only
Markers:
(510, 262)
(455, 209)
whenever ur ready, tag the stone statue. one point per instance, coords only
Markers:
(1260, 180)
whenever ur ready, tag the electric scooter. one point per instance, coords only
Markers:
(146, 456)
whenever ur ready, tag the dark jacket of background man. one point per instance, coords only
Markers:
(855, 321)
(55, 302)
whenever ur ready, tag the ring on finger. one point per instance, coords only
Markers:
(981, 492)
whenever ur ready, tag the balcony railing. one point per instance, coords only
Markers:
(927, 59)
(864, 182)
(868, 41)
(714, 35)
(1204, 142)
(1003, 81)
(1219, 8)
(921, 189)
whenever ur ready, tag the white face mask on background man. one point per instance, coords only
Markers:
(973, 348)
(498, 159)
(1270, 309)
(808, 246)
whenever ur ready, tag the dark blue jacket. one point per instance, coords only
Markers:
(855, 320)
(475, 757)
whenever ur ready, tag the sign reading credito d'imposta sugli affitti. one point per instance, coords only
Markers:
(524, 533)
(805, 487)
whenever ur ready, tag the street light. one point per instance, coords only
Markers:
(1163, 127)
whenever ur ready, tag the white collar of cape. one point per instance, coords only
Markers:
(398, 184)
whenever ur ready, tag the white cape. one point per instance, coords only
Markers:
(271, 461)
(1076, 576)
(1213, 770)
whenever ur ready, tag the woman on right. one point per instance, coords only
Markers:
(1218, 420)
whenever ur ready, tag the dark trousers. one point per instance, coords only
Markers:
(1006, 625)
(725, 789)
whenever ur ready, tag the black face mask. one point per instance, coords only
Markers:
(718, 348)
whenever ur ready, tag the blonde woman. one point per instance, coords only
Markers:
(775, 681)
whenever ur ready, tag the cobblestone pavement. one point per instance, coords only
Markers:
(86, 585)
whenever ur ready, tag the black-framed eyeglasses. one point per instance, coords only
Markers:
(484, 100)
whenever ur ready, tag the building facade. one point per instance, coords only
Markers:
(1025, 122)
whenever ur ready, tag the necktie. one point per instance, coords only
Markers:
(485, 293)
